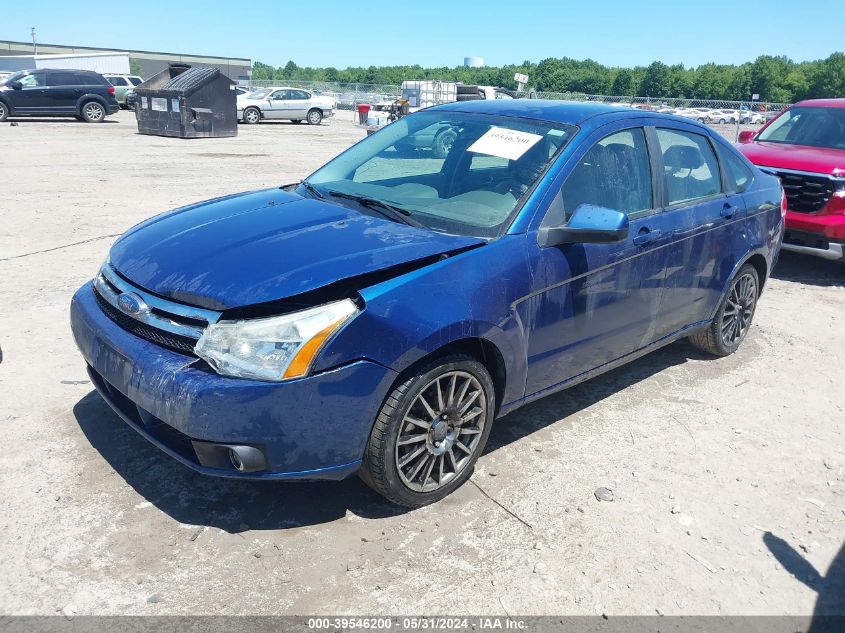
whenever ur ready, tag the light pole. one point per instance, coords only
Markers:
(34, 45)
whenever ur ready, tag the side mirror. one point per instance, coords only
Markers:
(589, 224)
(15, 85)
(746, 136)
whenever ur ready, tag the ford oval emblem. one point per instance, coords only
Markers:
(131, 303)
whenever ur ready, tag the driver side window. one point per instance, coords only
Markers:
(35, 80)
(615, 173)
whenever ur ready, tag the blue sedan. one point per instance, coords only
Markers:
(377, 317)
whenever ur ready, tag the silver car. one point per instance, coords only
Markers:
(293, 104)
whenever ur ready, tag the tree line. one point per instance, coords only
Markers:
(774, 78)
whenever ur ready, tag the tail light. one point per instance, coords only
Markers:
(111, 90)
(783, 204)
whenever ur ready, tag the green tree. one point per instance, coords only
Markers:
(829, 79)
(657, 81)
(135, 68)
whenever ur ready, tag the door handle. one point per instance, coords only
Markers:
(728, 211)
(646, 237)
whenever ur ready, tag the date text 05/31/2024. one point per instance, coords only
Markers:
(417, 623)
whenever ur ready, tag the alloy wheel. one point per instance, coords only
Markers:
(441, 431)
(739, 308)
(93, 112)
(252, 115)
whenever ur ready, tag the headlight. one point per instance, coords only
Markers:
(275, 348)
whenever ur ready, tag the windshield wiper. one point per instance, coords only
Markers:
(389, 211)
(312, 190)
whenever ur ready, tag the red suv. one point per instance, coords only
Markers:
(805, 147)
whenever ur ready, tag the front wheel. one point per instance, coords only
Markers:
(252, 116)
(315, 117)
(93, 112)
(733, 318)
(430, 431)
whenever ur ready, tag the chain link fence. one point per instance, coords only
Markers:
(728, 116)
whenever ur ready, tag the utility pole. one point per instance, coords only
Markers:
(34, 45)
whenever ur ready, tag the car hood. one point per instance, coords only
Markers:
(265, 246)
(820, 160)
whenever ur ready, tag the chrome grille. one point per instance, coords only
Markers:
(806, 193)
(173, 325)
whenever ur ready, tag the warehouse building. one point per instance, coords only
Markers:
(236, 68)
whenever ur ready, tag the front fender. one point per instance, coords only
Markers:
(467, 296)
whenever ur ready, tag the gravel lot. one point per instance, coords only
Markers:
(714, 464)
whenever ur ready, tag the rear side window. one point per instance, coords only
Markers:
(615, 174)
(739, 176)
(135, 81)
(690, 168)
(62, 78)
(117, 81)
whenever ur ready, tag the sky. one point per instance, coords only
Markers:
(443, 32)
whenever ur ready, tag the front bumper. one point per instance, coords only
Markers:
(815, 244)
(311, 428)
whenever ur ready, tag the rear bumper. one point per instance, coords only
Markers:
(311, 428)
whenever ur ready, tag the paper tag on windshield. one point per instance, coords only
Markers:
(504, 143)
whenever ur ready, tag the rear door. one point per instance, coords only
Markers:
(64, 89)
(707, 225)
(300, 102)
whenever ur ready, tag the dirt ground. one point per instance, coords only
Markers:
(728, 476)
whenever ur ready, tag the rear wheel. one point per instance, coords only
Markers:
(728, 329)
(93, 112)
(4, 111)
(315, 117)
(430, 431)
(252, 116)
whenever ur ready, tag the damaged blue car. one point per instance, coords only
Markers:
(377, 317)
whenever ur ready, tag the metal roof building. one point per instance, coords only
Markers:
(152, 63)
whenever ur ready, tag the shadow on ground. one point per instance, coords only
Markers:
(236, 506)
(830, 587)
(813, 271)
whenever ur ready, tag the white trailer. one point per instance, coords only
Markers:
(103, 63)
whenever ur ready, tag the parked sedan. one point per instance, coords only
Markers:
(722, 117)
(380, 315)
(293, 104)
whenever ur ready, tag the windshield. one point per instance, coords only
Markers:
(454, 172)
(813, 126)
(261, 93)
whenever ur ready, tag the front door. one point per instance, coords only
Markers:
(32, 97)
(594, 303)
(278, 105)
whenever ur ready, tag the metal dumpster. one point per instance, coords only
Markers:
(187, 102)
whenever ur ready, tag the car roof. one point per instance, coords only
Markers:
(553, 111)
(823, 103)
(569, 112)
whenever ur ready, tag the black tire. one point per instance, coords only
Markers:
(4, 111)
(462, 89)
(722, 121)
(724, 335)
(252, 116)
(93, 112)
(381, 469)
(443, 142)
(314, 117)
(472, 97)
